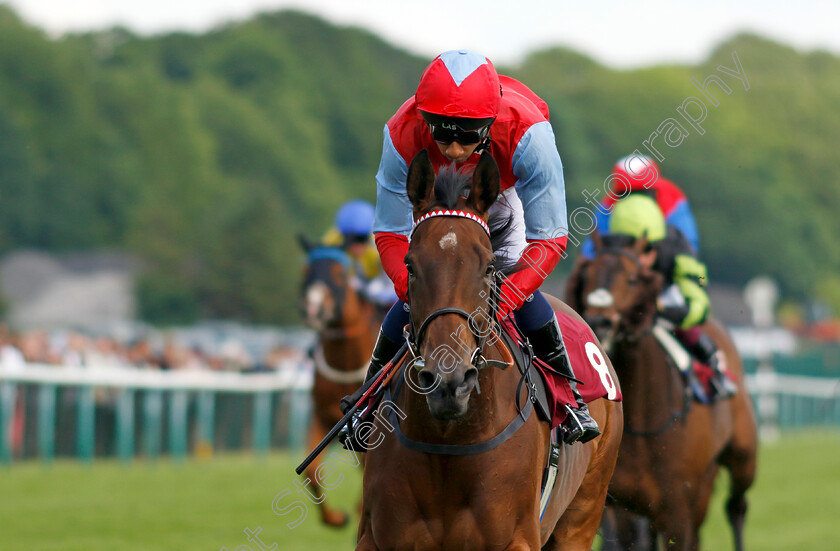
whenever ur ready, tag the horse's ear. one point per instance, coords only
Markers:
(485, 184)
(641, 245)
(597, 240)
(305, 243)
(420, 184)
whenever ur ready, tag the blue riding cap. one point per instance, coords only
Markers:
(355, 218)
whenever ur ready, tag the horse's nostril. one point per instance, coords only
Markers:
(427, 380)
(470, 376)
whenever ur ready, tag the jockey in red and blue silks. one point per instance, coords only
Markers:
(640, 174)
(463, 109)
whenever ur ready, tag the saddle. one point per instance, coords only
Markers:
(579, 345)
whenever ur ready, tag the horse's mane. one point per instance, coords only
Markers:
(451, 184)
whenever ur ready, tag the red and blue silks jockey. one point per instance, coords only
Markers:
(463, 109)
(668, 224)
(640, 174)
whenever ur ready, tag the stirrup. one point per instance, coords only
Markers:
(578, 426)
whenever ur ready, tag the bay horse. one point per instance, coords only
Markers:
(672, 448)
(347, 328)
(450, 473)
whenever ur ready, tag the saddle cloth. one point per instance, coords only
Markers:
(704, 375)
(700, 375)
(588, 364)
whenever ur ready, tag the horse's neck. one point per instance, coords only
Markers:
(348, 343)
(645, 374)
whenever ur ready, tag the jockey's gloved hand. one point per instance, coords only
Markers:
(673, 313)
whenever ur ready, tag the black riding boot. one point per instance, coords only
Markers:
(383, 351)
(706, 351)
(579, 426)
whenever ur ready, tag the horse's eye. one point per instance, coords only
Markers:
(410, 269)
(490, 268)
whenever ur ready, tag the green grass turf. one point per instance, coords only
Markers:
(206, 505)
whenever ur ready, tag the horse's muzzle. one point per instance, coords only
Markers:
(449, 398)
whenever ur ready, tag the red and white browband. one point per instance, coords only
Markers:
(458, 213)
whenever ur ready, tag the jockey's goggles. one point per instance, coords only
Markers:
(445, 136)
(446, 130)
(352, 238)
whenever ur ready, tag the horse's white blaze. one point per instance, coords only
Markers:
(596, 358)
(316, 294)
(599, 298)
(448, 241)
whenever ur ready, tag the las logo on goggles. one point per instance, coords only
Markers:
(445, 133)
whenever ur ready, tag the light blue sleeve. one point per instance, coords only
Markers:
(393, 209)
(540, 186)
(683, 219)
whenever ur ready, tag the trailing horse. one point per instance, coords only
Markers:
(672, 447)
(346, 327)
(459, 456)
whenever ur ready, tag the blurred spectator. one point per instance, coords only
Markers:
(167, 351)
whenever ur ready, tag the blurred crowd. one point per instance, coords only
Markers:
(160, 351)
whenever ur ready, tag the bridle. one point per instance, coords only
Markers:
(477, 359)
(618, 332)
(414, 334)
(339, 294)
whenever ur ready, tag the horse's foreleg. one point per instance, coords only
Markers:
(329, 516)
(634, 532)
(577, 527)
(609, 530)
(677, 534)
(674, 523)
(700, 503)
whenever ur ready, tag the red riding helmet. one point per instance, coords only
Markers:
(460, 84)
(636, 166)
